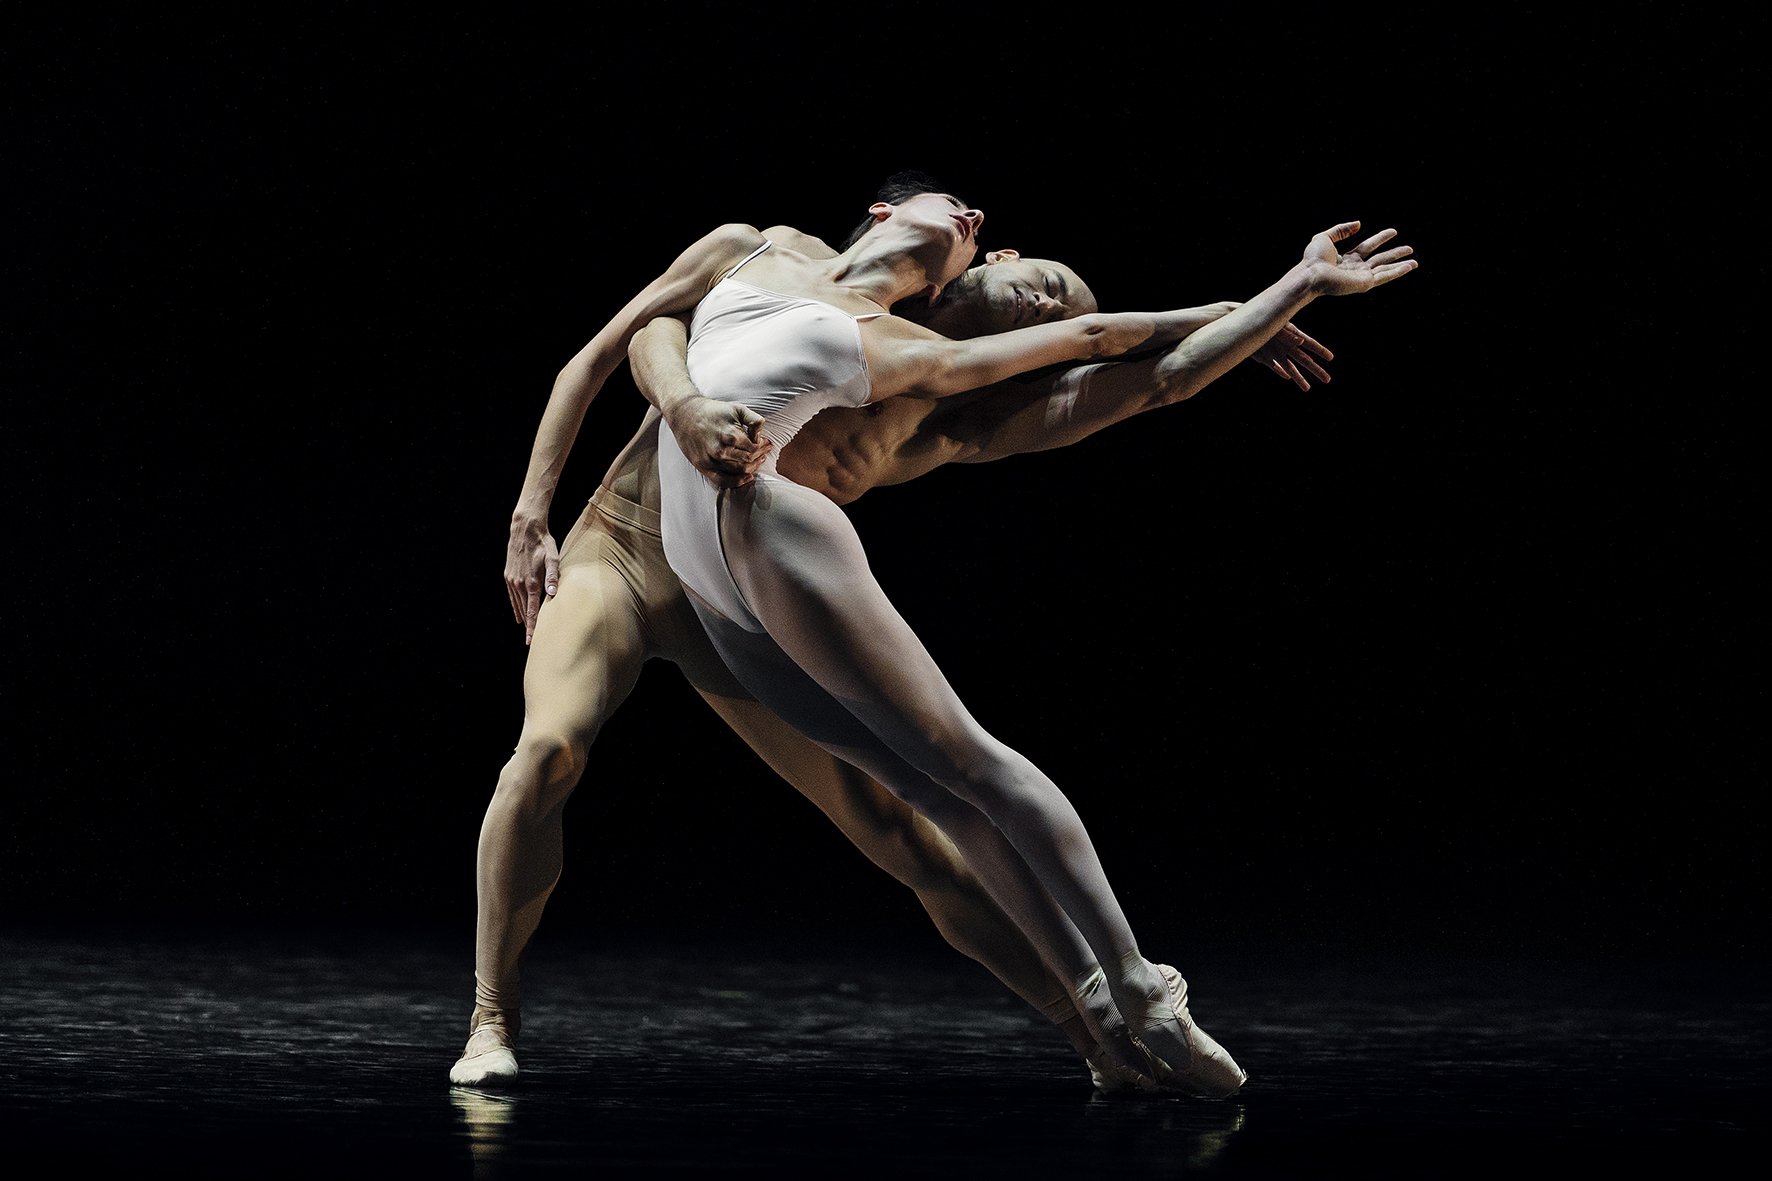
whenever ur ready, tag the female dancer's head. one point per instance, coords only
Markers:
(1006, 291)
(912, 214)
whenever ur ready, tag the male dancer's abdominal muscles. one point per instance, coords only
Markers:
(844, 452)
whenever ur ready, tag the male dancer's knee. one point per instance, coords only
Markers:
(540, 775)
(909, 846)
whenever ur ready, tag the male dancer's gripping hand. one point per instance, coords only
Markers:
(724, 440)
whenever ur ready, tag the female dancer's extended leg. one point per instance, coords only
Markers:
(835, 640)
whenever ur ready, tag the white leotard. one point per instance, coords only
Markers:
(785, 357)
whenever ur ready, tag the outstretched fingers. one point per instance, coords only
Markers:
(1387, 264)
(1396, 270)
(1309, 364)
(1365, 249)
(1307, 341)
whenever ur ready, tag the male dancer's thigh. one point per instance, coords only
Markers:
(590, 639)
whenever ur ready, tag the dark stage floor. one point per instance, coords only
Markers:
(262, 1056)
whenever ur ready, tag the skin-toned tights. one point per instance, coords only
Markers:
(619, 605)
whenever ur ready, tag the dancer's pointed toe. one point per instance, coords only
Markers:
(1211, 1072)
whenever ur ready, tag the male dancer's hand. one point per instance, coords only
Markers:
(1360, 269)
(532, 570)
(1289, 354)
(724, 440)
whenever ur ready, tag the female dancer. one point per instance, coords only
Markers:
(780, 581)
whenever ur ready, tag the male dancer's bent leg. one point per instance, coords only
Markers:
(587, 652)
(590, 643)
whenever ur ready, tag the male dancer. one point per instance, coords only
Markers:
(612, 602)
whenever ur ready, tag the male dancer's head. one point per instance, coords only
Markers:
(1005, 291)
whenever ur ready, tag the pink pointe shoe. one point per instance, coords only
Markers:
(1211, 1072)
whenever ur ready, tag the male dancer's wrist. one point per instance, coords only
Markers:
(530, 516)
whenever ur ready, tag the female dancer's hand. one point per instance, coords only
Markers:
(532, 569)
(1289, 354)
(724, 440)
(1359, 269)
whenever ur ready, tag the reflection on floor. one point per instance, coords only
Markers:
(267, 1056)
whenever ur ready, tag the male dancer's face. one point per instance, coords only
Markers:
(1005, 292)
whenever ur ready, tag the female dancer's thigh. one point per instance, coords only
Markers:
(799, 564)
(782, 686)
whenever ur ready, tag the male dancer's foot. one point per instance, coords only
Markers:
(490, 1057)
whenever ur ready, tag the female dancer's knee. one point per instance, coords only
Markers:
(1009, 789)
(970, 763)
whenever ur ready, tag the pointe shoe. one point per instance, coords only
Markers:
(1110, 1074)
(1211, 1072)
(488, 1060)
(1110, 1078)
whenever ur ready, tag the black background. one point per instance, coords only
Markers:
(1458, 653)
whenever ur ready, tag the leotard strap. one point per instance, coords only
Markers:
(747, 258)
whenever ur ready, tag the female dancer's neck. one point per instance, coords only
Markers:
(884, 271)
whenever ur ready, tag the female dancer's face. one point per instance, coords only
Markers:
(950, 228)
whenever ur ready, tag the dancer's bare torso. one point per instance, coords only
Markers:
(840, 452)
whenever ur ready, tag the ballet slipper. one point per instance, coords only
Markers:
(489, 1059)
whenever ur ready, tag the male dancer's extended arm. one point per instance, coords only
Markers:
(1012, 418)
(1005, 420)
